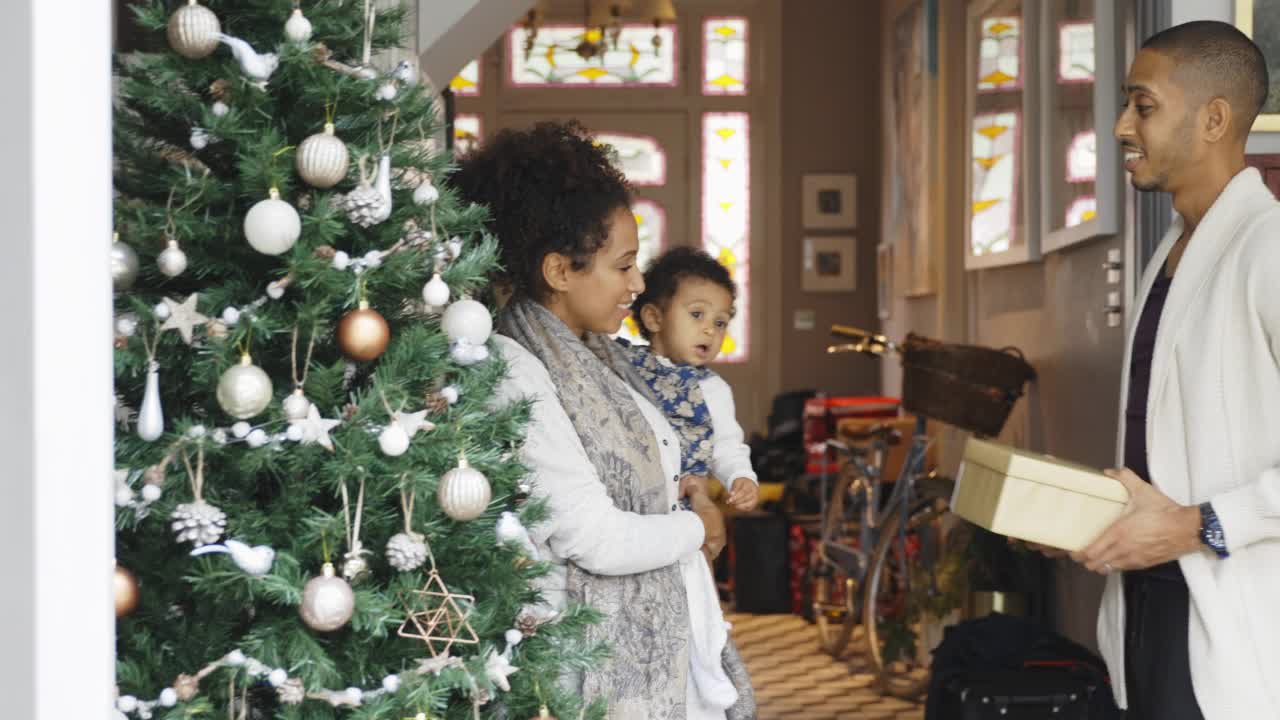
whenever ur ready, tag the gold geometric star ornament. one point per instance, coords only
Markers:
(438, 617)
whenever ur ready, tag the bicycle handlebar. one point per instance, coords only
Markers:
(865, 342)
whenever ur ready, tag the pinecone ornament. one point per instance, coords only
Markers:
(527, 623)
(364, 205)
(199, 523)
(406, 551)
(437, 403)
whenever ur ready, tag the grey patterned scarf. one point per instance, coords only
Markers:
(646, 614)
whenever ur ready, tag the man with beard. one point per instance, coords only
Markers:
(1189, 624)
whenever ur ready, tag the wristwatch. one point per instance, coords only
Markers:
(1211, 531)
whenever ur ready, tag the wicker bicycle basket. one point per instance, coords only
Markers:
(973, 388)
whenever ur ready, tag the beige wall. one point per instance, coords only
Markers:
(830, 124)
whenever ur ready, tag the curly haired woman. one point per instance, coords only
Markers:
(602, 454)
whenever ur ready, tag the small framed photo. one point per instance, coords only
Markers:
(884, 281)
(829, 264)
(830, 202)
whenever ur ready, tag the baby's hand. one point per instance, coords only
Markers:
(745, 494)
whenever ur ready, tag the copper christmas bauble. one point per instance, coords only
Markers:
(363, 334)
(125, 586)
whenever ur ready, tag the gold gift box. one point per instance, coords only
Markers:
(1035, 497)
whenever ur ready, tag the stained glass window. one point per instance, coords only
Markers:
(651, 224)
(640, 157)
(724, 56)
(1084, 209)
(1075, 52)
(1082, 157)
(995, 182)
(467, 81)
(554, 61)
(466, 134)
(1000, 54)
(726, 212)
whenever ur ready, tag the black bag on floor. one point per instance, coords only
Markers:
(1007, 668)
(760, 581)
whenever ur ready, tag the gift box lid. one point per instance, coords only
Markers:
(1044, 469)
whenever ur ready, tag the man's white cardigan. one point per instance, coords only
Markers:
(1213, 434)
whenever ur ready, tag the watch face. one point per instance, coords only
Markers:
(1211, 531)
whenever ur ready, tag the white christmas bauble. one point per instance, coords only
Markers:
(244, 390)
(341, 260)
(151, 493)
(322, 159)
(464, 492)
(257, 438)
(294, 433)
(450, 394)
(296, 406)
(220, 109)
(168, 697)
(393, 440)
(172, 261)
(426, 193)
(127, 324)
(124, 496)
(193, 31)
(391, 683)
(513, 636)
(272, 226)
(161, 311)
(297, 28)
(241, 429)
(327, 601)
(436, 291)
(467, 320)
(124, 266)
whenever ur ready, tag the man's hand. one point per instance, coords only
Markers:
(1153, 530)
(745, 494)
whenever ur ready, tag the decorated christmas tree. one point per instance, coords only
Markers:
(320, 508)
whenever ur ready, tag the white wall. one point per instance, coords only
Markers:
(56, 622)
(1224, 10)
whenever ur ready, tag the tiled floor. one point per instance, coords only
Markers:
(797, 681)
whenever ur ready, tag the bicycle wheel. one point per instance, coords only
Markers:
(886, 604)
(833, 579)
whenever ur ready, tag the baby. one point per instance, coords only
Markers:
(683, 313)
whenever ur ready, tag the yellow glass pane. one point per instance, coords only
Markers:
(728, 346)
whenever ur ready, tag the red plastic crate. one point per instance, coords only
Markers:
(821, 415)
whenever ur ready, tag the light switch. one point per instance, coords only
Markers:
(1114, 310)
(1113, 266)
(805, 320)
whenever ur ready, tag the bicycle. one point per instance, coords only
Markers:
(874, 591)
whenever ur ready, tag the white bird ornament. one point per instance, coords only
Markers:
(255, 65)
(255, 561)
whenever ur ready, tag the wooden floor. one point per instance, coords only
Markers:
(795, 680)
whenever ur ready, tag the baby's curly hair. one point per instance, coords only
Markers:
(548, 188)
(665, 273)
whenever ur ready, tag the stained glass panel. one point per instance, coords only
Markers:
(1000, 54)
(467, 81)
(553, 60)
(1082, 157)
(651, 224)
(466, 134)
(1083, 210)
(724, 56)
(640, 158)
(1075, 52)
(995, 182)
(726, 212)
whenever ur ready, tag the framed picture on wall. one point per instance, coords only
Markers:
(1081, 185)
(1260, 20)
(830, 202)
(830, 264)
(884, 281)
(1001, 143)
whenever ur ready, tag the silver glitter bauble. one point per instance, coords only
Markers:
(193, 31)
(322, 159)
(327, 601)
(464, 492)
(124, 266)
(406, 551)
(172, 261)
(198, 523)
(244, 390)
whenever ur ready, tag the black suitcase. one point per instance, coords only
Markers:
(1026, 694)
